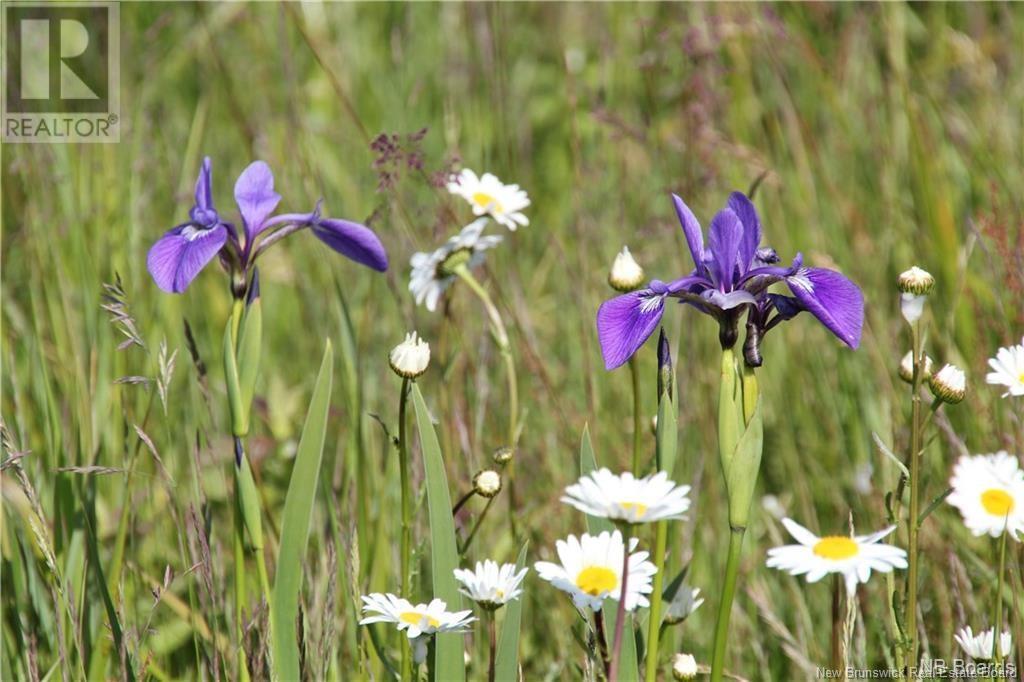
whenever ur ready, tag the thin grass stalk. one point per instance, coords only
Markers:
(602, 641)
(732, 566)
(654, 617)
(406, 541)
(634, 372)
(997, 654)
(492, 645)
(500, 336)
(910, 629)
(620, 614)
(239, 553)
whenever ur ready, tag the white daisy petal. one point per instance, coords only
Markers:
(627, 498)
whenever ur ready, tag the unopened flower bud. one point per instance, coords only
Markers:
(906, 370)
(685, 601)
(626, 274)
(410, 358)
(684, 667)
(503, 455)
(487, 483)
(915, 281)
(949, 384)
(664, 366)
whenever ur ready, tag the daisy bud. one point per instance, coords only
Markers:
(684, 667)
(906, 370)
(487, 483)
(626, 274)
(410, 358)
(503, 455)
(915, 281)
(949, 384)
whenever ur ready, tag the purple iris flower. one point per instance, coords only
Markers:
(732, 275)
(178, 256)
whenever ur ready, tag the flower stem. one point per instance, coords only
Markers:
(620, 614)
(239, 551)
(654, 617)
(602, 640)
(493, 639)
(476, 527)
(732, 566)
(634, 372)
(406, 542)
(997, 631)
(910, 627)
(500, 336)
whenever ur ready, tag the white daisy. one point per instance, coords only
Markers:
(489, 196)
(625, 498)
(591, 570)
(419, 622)
(989, 492)
(433, 273)
(980, 646)
(489, 585)
(1008, 369)
(854, 557)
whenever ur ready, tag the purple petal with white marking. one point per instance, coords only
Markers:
(836, 301)
(691, 230)
(724, 238)
(353, 240)
(625, 322)
(745, 211)
(728, 301)
(255, 196)
(178, 256)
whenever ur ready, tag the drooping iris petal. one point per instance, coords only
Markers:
(724, 238)
(255, 196)
(836, 301)
(353, 240)
(691, 230)
(181, 253)
(745, 211)
(625, 322)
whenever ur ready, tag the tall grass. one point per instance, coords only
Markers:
(887, 135)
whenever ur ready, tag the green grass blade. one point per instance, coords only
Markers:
(250, 342)
(588, 463)
(449, 663)
(506, 666)
(298, 513)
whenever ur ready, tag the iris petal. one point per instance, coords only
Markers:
(625, 322)
(255, 196)
(745, 211)
(354, 241)
(836, 301)
(724, 240)
(178, 256)
(691, 229)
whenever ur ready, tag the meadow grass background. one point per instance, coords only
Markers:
(889, 135)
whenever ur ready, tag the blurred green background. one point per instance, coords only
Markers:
(887, 135)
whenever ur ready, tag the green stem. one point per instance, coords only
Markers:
(493, 644)
(654, 617)
(239, 551)
(997, 653)
(732, 566)
(913, 510)
(476, 526)
(634, 372)
(500, 336)
(406, 551)
(620, 614)
(602, 641)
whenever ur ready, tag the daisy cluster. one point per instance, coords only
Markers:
(433, 272)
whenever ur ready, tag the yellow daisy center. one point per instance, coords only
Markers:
(415, 618)
(485, 200)
(997, 501)
(635, 507)
(596, 579)
(836, 547)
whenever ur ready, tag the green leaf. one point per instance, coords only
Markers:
(449, 662)
(595, 525)
(730, 410)
(667, 438)
(249, 343)
(238, 419)
(298, 513)
(743, 469)
(506, 666)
